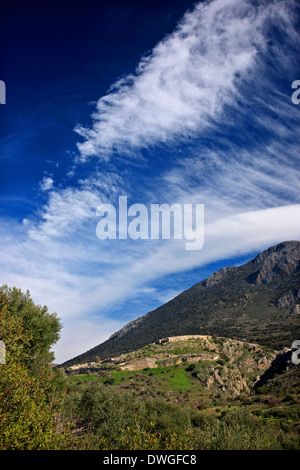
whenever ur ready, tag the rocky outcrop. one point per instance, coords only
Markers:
(217, 277)
(281, 363)
(174, 339)
(289, 300)
(296, 309)
(277, 262)
(142, 363)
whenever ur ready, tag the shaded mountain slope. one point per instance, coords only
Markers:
(258, 301)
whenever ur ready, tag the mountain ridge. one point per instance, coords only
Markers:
(258, 300)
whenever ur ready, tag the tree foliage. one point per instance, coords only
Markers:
(29, 403)
(44, 328)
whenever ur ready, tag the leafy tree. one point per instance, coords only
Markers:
(44, 327)
(29, 405)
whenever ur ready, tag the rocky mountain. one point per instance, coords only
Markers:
(258, 301)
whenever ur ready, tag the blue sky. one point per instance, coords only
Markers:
(163, 102)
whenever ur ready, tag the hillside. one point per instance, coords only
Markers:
(258, 301)
(187, 392)
(200, 365)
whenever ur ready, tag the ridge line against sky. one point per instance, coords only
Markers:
(204, 117)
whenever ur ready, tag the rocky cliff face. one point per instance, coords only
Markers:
(277, 262)
(217, 277)
(289, 300)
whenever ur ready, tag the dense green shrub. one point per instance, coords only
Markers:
(104, 410)
(113, 419)
(29, 397)
(44, 328)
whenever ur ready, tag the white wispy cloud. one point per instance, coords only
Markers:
(46, 183)
(64, 212)
(183, 85)
(237, 180)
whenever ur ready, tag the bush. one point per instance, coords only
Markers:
(29, 402)
(104, 411)
(110, 381)
(44, 327)
(166, 417)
